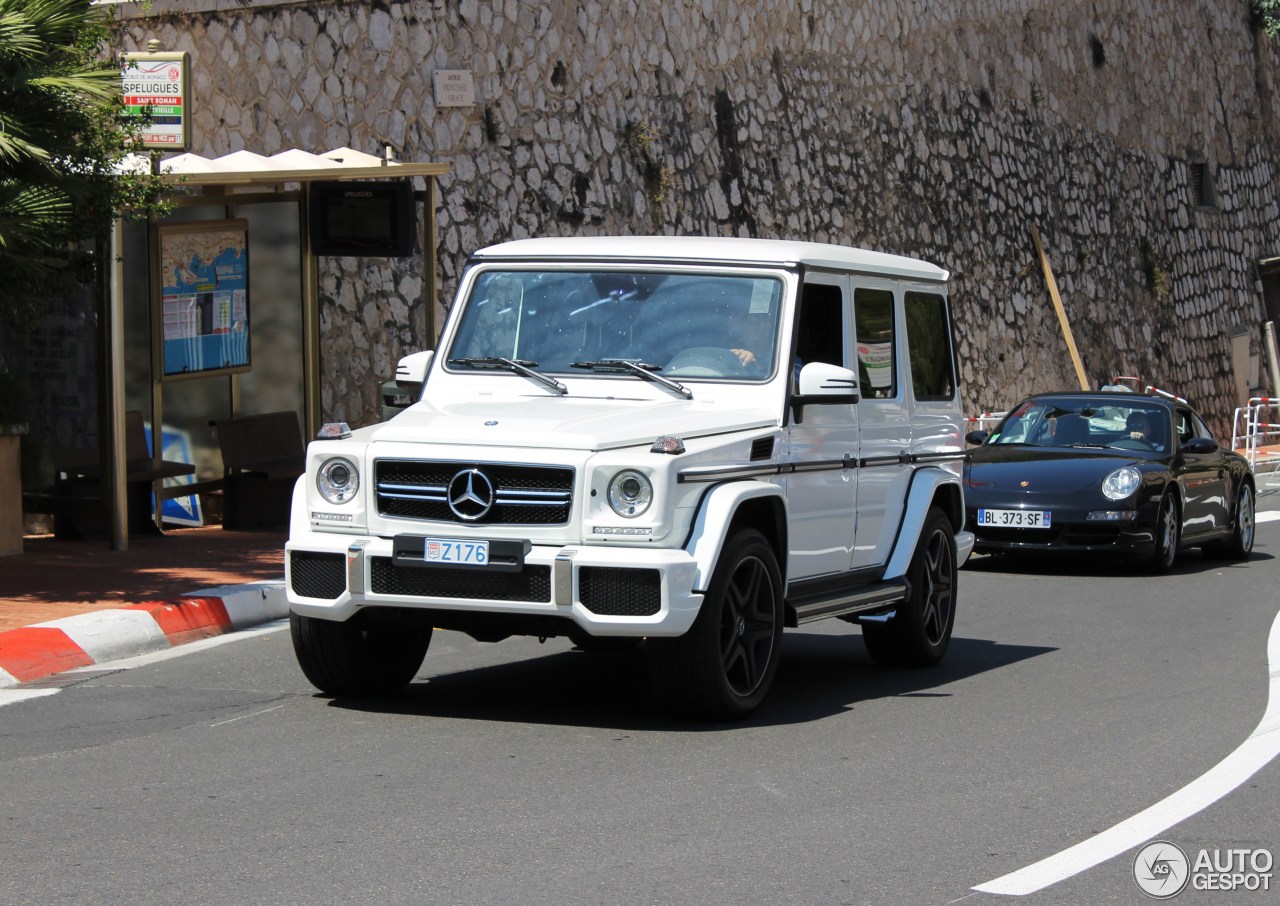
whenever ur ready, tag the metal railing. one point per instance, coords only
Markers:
(1255, 433)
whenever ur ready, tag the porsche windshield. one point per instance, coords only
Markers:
(677, 325)
(1127, 423)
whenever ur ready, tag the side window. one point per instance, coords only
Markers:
(873, 320)
(929, 347)
(1186, 425)
(1200, 428)
(820, 334)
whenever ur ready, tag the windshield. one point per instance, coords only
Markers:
(677, 325)
(1125, 424)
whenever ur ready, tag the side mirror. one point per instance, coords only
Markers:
(828, 383)
(411, 371)
(1200, 445)
(976, 437)
(405, 390)
(823, 384)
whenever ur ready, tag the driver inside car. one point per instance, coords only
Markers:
(1141, 426)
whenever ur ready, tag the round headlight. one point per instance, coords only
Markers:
(630, 493)
(337, 480)
(1121, 483)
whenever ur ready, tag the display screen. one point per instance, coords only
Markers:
(363, 218)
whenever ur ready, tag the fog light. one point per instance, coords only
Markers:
(1111, 516)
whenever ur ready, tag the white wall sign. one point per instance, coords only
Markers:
(455, 88)
(157, 95)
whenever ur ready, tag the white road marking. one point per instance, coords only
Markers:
(232, 720)
(1250, 757)
(1268, 516)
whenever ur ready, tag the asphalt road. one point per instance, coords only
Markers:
(1074, 696)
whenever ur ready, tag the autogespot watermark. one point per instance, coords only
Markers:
(1163, 870)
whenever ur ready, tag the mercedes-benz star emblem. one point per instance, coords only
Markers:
(470, 494)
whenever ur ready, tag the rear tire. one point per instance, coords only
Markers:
(921, 632)
(1240, 545)
(723, 667)
(358, 657)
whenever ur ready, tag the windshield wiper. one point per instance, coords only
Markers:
(646, 370)
(519, 366)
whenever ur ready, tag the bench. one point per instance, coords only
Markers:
(262, 456)
(75, 499)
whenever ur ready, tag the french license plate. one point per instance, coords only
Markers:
(1015, 518)
(461, 553)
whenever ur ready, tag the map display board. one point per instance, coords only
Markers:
(204, 301)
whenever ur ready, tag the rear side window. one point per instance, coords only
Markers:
(873, 319)
(929, 347)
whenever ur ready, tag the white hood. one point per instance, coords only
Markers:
(566, 423)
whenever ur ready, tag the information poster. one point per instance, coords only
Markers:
(205, 297)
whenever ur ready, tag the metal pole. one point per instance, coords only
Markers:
(310, 322)
(113, 372)
(1269, 341)
(429, 263)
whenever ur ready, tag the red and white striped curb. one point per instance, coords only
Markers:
(34, 652)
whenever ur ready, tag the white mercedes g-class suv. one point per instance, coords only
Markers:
(685, 442)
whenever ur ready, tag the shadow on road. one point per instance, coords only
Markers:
(1191, 562)
(820, 675)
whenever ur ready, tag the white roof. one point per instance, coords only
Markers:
(245, 168)
(711, 248)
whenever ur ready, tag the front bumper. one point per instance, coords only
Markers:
(605, 590)
(1071, 532)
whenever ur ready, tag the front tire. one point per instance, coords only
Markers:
(920, 633)
(723, 667)
(358, 657)
(1168, 533)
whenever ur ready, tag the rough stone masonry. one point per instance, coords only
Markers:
(1140, 139)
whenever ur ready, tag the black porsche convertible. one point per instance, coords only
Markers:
(1107, 472)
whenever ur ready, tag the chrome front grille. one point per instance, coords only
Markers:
(473, 493)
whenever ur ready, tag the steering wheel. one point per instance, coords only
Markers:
(704, 361)
(1133, 443)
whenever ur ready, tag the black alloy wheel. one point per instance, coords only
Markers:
(920, 633)
(723, 667)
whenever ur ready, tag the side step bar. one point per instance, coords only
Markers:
(878, 597)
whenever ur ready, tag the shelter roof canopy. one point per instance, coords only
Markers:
(245, 168)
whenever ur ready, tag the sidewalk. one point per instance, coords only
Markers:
(67, 604)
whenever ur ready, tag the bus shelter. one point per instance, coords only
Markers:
(215, 309)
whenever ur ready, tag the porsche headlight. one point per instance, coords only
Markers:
(1121, 483)
(630, 493)
(338, 480)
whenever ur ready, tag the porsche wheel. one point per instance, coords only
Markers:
(1240, 545)
(1168, 531)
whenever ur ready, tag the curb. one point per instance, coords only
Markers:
(35, 652)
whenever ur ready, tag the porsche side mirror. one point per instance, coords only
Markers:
(976, 437)
(1200, 445)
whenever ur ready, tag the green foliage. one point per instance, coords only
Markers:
(61, 137)
(1267, 14)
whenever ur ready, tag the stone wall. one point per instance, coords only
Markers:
(940, 130)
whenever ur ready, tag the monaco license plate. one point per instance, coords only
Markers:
(453, 551)
(1015, 518)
